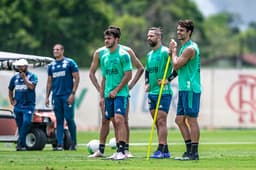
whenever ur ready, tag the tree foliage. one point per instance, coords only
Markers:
(33, 27)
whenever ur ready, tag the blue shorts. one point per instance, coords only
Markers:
(164, 104)
(115, 105)
(188, 103)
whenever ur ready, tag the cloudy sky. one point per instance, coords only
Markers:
(246, 9)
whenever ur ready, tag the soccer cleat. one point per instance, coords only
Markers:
(157, 155)
(96, 154)
(112, 156)
(119, 156)
(72, 148)
(194, 156)
(186, 155)
(128, 154)
(167, 155)
(58, 148)
(20, 148)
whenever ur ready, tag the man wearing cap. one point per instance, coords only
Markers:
(23, 97)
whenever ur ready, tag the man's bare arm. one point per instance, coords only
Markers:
(48, 90)
(76, 78)
(187, 54)
(93, 69)
(138, 65)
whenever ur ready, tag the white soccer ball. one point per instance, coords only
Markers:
(93, 146)
(112, 143)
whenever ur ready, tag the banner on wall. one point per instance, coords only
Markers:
(228, 99)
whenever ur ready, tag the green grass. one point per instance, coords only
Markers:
(219, 149)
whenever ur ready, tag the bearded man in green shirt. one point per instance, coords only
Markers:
(155, 67)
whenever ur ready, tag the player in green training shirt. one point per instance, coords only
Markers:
(104, 129)
(188, 66)
(116, 69)
(155, 66)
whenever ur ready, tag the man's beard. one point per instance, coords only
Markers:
(111, 45)
(152, 43)
(180, 37)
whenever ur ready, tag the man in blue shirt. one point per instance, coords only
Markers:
(23, 97)
(63, 80)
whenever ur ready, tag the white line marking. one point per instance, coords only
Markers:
(202, 143)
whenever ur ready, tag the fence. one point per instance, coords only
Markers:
(228, 99)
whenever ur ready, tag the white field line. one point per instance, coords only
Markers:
(202, 143)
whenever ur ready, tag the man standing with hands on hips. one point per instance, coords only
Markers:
(63, 80)
(187, 63)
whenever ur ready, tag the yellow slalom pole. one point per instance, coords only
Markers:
(157, 106)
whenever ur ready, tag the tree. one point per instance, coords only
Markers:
(35, 26)
(221, 38)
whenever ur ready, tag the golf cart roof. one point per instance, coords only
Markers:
(8, 58)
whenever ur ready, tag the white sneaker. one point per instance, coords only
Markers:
(96, 154)
(119, 156)
(112, 156)
(128, 154)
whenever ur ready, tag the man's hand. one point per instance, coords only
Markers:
(172, 45)
(47, 102)
(23, 75)
(71, 99)
(13, 102)
(160, 82)
(112, 94)
(102, 105)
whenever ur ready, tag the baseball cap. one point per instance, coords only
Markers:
(21, 62)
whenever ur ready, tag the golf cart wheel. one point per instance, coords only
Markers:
(36, 139)
(67, 139)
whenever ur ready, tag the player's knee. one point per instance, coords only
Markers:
(126, 122)
(161, 122)
(105, 121)
(179, 121)
(119, 119)
(193, 122)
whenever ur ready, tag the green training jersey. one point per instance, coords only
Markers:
(114, 65)
(189, 74)
(102, 50)
(156, 63)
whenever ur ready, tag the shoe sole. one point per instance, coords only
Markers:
(157, 157)
(185, 159)
(131, 157)
(181, 158)
(95, 156)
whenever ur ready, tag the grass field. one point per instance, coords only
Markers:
(219, 149)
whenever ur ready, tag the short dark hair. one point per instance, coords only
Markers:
(112, 31)
(157, 30)
(188, 24)
(61, 46)
(115, 27)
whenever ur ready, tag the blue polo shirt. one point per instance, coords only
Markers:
(23, 95)
(61, 73)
